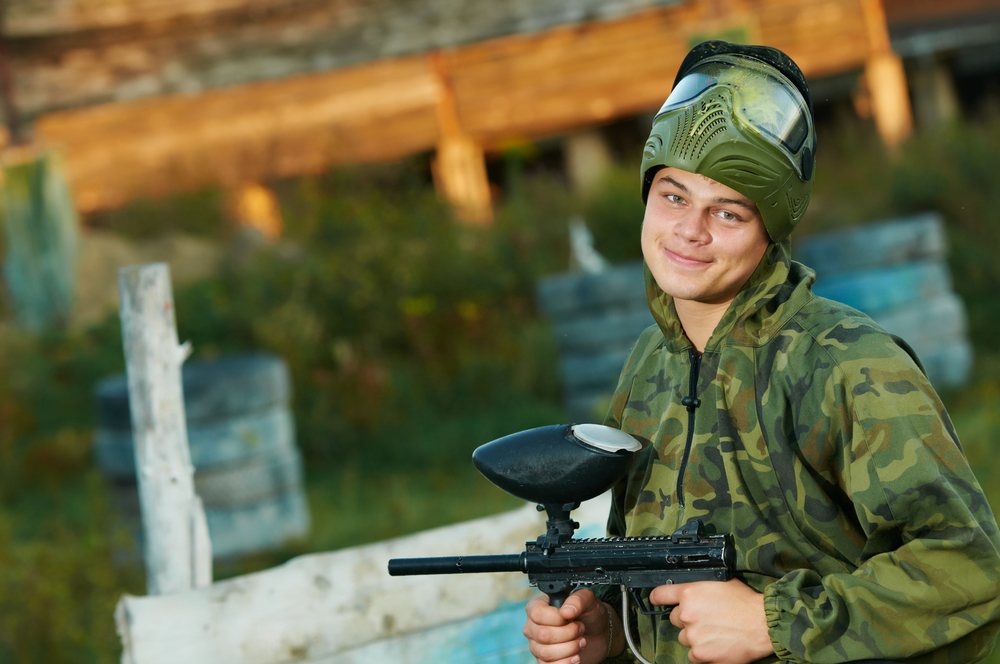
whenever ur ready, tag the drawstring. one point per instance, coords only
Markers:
(691, 402)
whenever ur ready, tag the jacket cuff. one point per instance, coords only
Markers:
(775, 607)
(612, 596)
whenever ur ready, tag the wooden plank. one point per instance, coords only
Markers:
(45, 17)
(574, 76)
(71, 53)
(301, 125)
(177, 548)
(904, 12)
(318, 606)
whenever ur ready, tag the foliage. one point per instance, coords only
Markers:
(614, 215)
(390, 315)
(195, 213)
(58, 580)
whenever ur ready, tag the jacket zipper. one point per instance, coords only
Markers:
(691, 402)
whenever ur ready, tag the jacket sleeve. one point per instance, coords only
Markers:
(929, 574)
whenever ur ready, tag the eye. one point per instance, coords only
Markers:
(728, 216)
(674, 198)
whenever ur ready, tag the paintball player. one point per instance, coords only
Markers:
(793, 422)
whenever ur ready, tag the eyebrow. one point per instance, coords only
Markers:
(742, 202)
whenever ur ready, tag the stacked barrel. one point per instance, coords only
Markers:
(896, 272)
(596, 317)
(248, 470)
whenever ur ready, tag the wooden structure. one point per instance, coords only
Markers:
(942, 42)
(453, 84)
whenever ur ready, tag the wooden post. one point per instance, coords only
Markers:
(886, 80)
(460, 166)
(935, 101)
(177, 547)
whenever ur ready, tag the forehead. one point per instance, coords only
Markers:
(686, 177)
(697, 182)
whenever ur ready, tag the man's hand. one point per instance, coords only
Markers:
(576, 633)
(721, 622)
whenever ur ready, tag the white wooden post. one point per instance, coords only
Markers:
(177, 547)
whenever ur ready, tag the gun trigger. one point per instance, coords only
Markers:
(646, 609)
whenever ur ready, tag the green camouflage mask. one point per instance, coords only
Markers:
(740, 122)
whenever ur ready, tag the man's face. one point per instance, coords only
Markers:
(701, 239)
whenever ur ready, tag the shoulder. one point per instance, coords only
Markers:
(846, 336)
(650, 341)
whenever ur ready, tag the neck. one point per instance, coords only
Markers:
(699, 320)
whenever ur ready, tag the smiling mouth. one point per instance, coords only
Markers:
(685, 260)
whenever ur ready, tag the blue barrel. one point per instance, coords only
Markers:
(248, 469)
(596, 319)
(896, 272)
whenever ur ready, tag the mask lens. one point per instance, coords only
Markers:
(771, 108)
(761, 98)
(691, 86)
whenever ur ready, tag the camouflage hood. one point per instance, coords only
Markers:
(812, 436)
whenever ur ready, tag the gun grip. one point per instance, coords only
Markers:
(557, 591)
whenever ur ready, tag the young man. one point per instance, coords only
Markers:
(793, 422)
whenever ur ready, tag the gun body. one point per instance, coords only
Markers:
(633, 562)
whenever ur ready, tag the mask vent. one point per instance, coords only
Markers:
(697, 127)
(797, 206)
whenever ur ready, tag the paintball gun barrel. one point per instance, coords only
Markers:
(636, 563)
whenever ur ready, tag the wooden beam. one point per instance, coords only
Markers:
(323, 607)
(45, 17)
(297, 126)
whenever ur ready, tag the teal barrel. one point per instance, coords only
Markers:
(896, 272)
(40, 238)
(241, 433)
(596, 318)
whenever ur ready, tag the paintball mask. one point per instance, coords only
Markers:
(742, 116)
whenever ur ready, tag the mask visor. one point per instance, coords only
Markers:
(763, 99)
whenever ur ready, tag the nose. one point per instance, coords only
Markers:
(693, 227)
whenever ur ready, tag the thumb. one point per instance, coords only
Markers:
(580, 605)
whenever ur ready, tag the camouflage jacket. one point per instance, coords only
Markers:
(814, 438)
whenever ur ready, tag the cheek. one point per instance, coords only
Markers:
(751, 255)
(653, 226)
(646, 232)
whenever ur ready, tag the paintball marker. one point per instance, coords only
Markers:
(559, 467)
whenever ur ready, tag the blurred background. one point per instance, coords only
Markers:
(373, 192)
